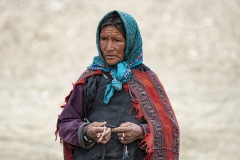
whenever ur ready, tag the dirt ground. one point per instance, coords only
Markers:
(193, 46)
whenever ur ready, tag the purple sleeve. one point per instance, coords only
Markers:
(72, 116)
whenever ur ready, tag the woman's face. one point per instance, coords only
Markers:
(112, 44)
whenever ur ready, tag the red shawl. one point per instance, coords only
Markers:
(162, 140)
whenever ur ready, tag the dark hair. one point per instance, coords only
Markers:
(113, 20)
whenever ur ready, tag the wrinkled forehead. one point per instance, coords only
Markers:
(110, 30)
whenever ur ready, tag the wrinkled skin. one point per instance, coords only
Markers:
(129, 131)
(112, 44)
(94, 131)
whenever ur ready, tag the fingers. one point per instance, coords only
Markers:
(122, 136)
(105, 136)
(128, 132)
(125, 139)
(94, 129)
(126, 124)
(99, 134)
(124, 127)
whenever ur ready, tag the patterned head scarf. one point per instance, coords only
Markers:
(120, 72)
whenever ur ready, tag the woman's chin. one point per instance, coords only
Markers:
(112, 63)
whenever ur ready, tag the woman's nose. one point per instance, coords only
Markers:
(109, 46)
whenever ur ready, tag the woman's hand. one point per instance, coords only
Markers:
(98, 132)
(129, 132)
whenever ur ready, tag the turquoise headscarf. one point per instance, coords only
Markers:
(120, 72)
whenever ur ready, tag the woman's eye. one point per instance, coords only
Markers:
(103, 38)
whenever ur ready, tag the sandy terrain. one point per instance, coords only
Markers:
(194, 47)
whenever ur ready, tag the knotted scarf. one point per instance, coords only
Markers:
(120, 72)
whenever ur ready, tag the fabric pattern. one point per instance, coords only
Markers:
(162, 141)
(121, 72)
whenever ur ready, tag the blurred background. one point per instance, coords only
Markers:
(193, 46)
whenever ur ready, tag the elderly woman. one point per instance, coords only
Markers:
(118, 108)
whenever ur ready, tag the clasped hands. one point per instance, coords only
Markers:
(127, 132)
